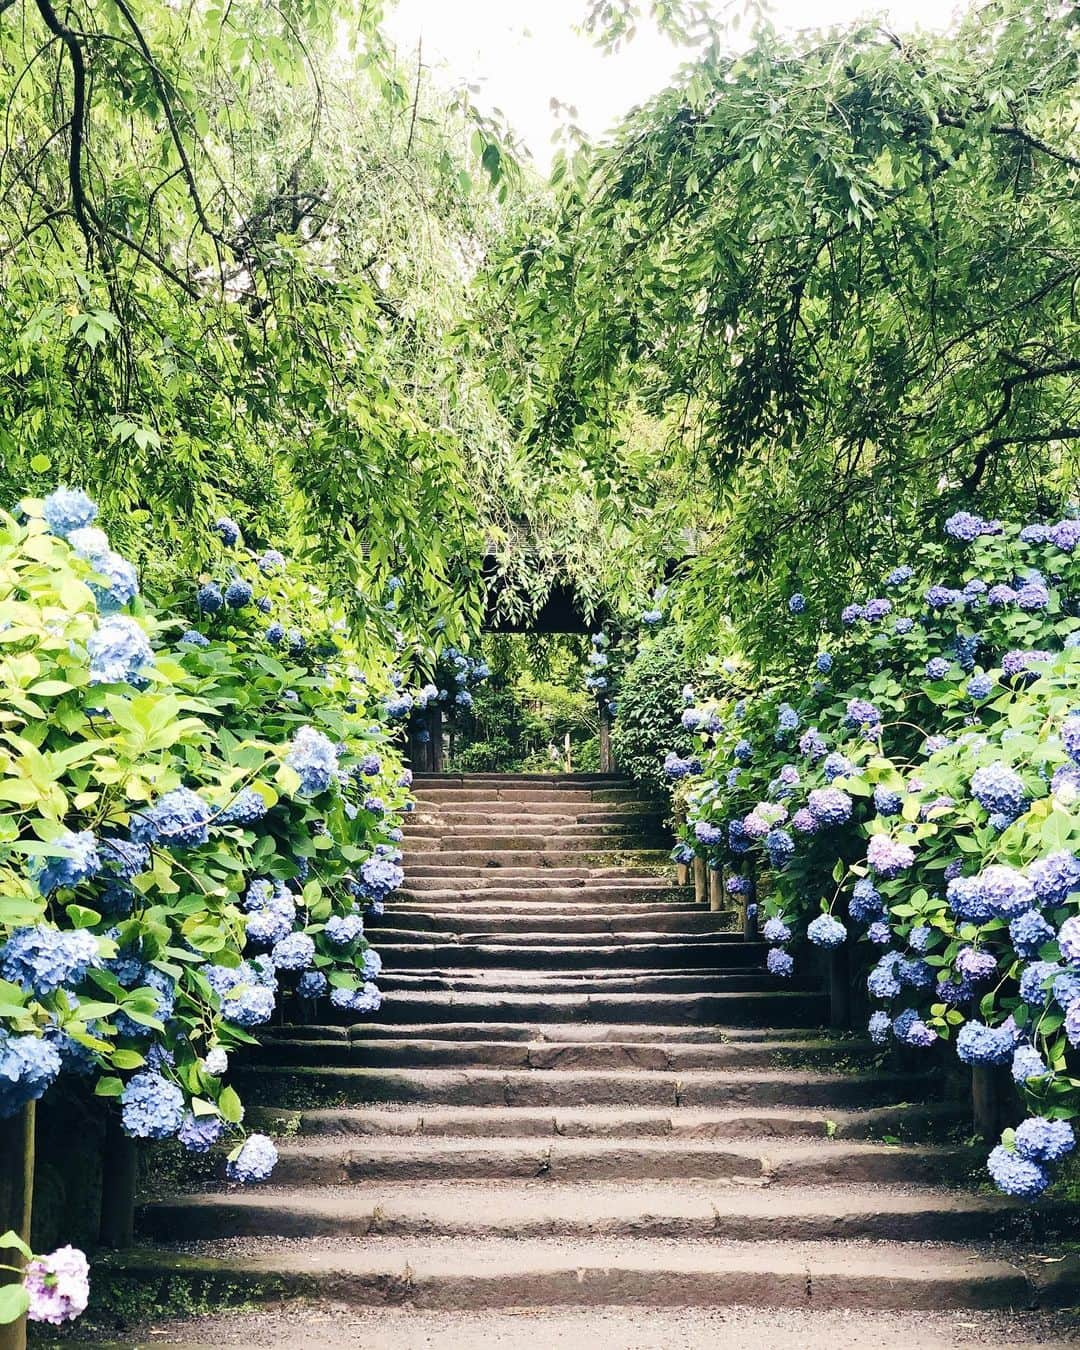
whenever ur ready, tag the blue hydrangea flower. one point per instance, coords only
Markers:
(1069, 939)
(216, 1062)
(737, 885)
(919, 939)
(898, 576)
(1065, 535)
(914, 974)
(879, 1027)
(861, 714)
(41, 960)
(294, 952)
(940, 597)
(744, 751)
(1041, 1140)
(312, 984)
(965, 898)
(238, 593)
(1035, 533)
(851, 614)
(29, 1065)
(706, 833)
(1055, 877)
(1029, 932)
(194, 639)
(199, 1134)
(379, 877)
(123, 857)
(882, 982)
(830, 806)
(865, 903)
(343, 929)
(1032, 596)
(965, 527)
(246, 808)
(837, 766)
(780, 846)
(937, 668)
(979, 687)
(151, 1107)
(271, 562)
(228, 530)
(264, 604)
(255, 1161)
(909, 1028)
(275, 632)
(825, 931)
(1066, 987)
(977, 1043)
(879, 933)
(999, 789)
(209, 597)
(365, 1000)
(77, 860)
(68, 509)
(1005, 891)
(876, 610)
(812, 744)
(1015, 1175)
(268, 926)
(888, 857)
(372, 966)
(797, 603)
(779, 962)
(776, 930)
(248, 1005)
(121, 582)
(903, 625)
(314, 757)
(119, 652)
(887, 801)
(1027, 1064)
(179, 819)
(976, 966)
(804, 822)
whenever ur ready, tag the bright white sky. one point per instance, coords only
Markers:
(524, 53)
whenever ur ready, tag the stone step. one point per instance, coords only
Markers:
(300, 1086)
(581, 1033)
(644, 1272)
(411, 951)
(539, 812)
(761, 1122)
(561, 856)
(576, 840)
(523, 792)
(547, 943)
(676, 981)
(333, 1162)
(445, 919)
(422, 827)
(679, 1209)
(541, 874)
(556, 781)
(417, 1052)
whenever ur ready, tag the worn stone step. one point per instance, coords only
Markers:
(415, 1052)
(561, 856)
(540, 874)
(410, 952)
(587, 981)
(631, 828)
(779, 1162)
(299, 1086)
(644, 1272)
(579, 1033)
(679, 1209)
(523, 792)
(556, 781)
(547, 943)
(533, 813)
(576, 841)
(908, 1121)
(551, 919)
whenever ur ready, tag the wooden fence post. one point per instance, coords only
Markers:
(991, 1096)
(118, 1183)
(840, 986)
(607, 754)
(682, 874)
(699, 881)
(716, 889)
(16, 1204)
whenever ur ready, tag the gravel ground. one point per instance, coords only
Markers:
(327, 1328)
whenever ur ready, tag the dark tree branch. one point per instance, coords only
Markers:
(80, 204)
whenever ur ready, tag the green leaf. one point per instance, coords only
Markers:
(230, 1107)
(14, 1301)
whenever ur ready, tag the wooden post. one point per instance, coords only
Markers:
(119, 1175)
(699, 881)
(840, 987)
(716, 889)
(16, 1204)
(607, 755)
(990, 1095)
(682, 874)
(435, 742)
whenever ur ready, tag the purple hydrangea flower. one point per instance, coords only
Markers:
(888, 857)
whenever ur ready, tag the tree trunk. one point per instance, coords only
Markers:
(16, 1203)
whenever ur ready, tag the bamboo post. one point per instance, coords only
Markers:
(716, 889)
(699, 881)
(16, 1204)
(119, 1175)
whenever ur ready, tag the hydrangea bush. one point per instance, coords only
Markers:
(914, 793)
(195, 815)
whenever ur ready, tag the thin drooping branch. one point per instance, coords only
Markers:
(80, 203)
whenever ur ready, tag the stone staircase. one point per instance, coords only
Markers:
(584, 1091)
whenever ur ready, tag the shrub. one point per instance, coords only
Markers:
(649, 707)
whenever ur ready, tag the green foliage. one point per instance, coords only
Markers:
(650, 703)
(92, 752)
(834, 272)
